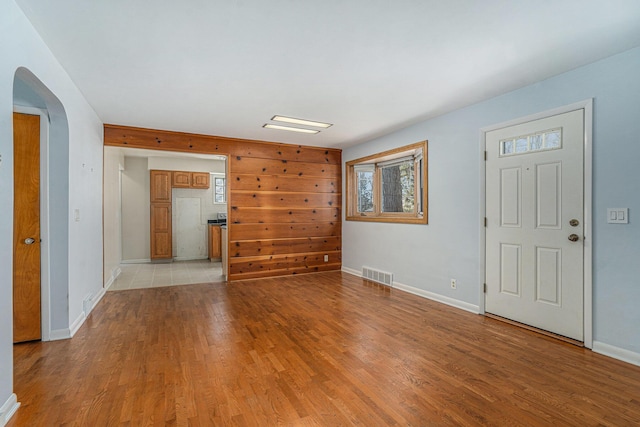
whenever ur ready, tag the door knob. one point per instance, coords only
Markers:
(574, 237)
(29, 241)
(574, 223)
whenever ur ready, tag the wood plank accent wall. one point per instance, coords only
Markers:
(284, 201)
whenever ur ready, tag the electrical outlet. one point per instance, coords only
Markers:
(326, 258)
(453, 283)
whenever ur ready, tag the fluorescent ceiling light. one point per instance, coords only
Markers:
(292, 129)
(301, 122)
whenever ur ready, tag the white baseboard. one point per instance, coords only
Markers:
(73, 328)
(8, 409)
(136, 261)
(60, 334)
(64, 334)
(115, 273)
(616, 352)
(188, 258)
(425, 294)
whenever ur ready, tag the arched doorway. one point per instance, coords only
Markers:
(31, 96)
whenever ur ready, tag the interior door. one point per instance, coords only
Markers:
(26, 228)
(534, 235)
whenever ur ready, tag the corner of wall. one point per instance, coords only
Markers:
(8, 409)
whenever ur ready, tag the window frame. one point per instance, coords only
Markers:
(377, 161)
(222, 176)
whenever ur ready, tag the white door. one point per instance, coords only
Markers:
(534, 235)
(191, 234)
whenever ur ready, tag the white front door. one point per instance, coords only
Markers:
(534, 235)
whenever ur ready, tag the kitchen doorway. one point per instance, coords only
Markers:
(192, 207)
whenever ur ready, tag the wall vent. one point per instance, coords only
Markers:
(377, 276)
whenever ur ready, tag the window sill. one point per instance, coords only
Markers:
(393, 219)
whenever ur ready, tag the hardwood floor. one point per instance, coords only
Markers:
(327, 349)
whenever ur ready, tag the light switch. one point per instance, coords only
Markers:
(618, 215)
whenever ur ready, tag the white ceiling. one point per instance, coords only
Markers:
(368, 66)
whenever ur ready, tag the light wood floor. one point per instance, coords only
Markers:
(321, 350)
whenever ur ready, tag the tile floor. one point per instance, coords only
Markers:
(136, 276)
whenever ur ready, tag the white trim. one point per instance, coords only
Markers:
(73, 328)
(60, 334)
(425, 294)
(136, 261)
(189, 258)
(8, 409)
(351, 271)
(65, 334)
(616, 352)
(587, 106)
(115, 273)
(45, 245)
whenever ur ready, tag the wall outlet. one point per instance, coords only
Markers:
(453, 283)
(326, 258)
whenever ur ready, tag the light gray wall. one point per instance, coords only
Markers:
(426, 257)
(75, 160)
(135, 210)
(112, 206)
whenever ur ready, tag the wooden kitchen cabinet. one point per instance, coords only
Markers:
(160, 186)
(200, 180)
(181, 179)
(160, 215)
(215, 242)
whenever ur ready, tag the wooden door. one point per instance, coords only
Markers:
(160, 195)
(535, 212)
(26, 228)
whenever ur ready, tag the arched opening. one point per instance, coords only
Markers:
(31, 95)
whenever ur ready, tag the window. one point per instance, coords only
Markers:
(389, 186)
(219, 190)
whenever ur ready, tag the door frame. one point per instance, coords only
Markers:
(587, 106)
(45, 245)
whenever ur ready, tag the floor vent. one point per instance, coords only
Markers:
(377, 276)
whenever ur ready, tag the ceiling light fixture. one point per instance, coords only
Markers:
(301, 122)
(289, 128)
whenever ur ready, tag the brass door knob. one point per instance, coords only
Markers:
(574, 237)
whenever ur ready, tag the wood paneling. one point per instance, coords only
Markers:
(252, 182)
(284, 200)
(247, 165)
(247, 248)
(283, 215)
(266, 231)
(280, 262)
(326, 349)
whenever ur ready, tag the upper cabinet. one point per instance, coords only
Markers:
(182, 179)
(160, 186)
(200, 179)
